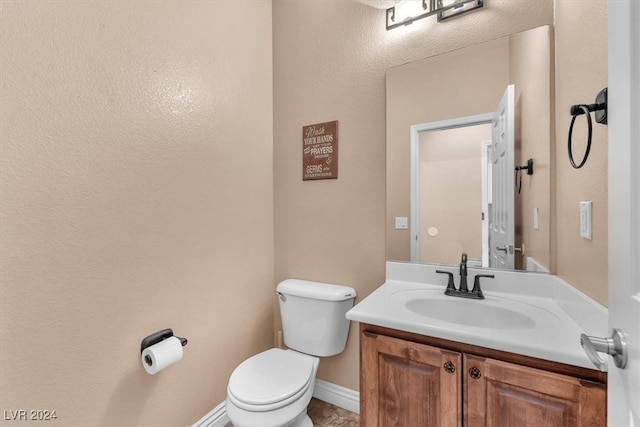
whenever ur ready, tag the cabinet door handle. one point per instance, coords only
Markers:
(474, 373)
(449, 367)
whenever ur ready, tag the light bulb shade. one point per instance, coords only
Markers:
(459, 7)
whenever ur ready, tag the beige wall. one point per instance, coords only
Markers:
(450, 176)
(330, 60)
(581, 72)
(136, 191)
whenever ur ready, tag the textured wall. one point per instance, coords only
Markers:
(330, 60)
(136, 188)
(581, 72)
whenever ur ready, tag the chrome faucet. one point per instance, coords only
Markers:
(463, 290)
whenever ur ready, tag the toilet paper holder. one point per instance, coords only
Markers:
(159, 336)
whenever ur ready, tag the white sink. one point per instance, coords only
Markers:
(491, 313)
(470, 313)
(522, 313)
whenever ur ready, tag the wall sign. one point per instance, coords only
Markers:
(320, 151)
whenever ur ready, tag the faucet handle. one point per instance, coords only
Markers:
(451, 287)
(476, 284)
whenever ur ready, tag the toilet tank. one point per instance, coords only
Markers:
(313, 316)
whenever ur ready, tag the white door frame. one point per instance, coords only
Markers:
(415, 130)
(624, 205)
(486, 199)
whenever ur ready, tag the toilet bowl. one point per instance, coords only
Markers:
(273, 388)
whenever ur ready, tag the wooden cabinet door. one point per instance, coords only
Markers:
(407, 384)
(504, 394)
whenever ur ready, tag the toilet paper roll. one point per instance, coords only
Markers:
(158, 356)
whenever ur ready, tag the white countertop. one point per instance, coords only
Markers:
(554, 335)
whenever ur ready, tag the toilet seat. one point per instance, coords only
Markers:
(270, 380)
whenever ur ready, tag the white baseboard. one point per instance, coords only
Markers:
(339, 396)
(216, 418)
(327, 392)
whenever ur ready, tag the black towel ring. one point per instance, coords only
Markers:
(600, 111)
(518, 177)
(584, 110)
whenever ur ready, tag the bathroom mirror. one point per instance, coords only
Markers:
(450, 88)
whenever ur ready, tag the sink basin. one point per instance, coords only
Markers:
(490, 313)
(470, 313)
(512, 318)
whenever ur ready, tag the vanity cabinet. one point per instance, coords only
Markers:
(404, 383)
(411, 380)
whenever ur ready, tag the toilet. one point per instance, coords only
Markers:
(273, 388)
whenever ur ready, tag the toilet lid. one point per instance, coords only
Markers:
(272, 376)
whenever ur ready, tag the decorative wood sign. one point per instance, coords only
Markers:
(320, 151)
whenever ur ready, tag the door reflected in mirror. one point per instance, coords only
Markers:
(451, 207)
(450, 166)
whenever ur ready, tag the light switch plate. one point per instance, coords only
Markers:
(536, 224)
(402, 223)
(585, 220)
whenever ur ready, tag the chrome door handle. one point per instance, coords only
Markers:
(503, 249)
(615, 346)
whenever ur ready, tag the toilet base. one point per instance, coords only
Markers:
(302, 420)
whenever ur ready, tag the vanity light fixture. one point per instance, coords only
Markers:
(405, 12)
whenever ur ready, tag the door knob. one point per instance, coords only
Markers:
(615, 346)
(521, 249)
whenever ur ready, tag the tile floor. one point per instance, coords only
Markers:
(324, 414)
